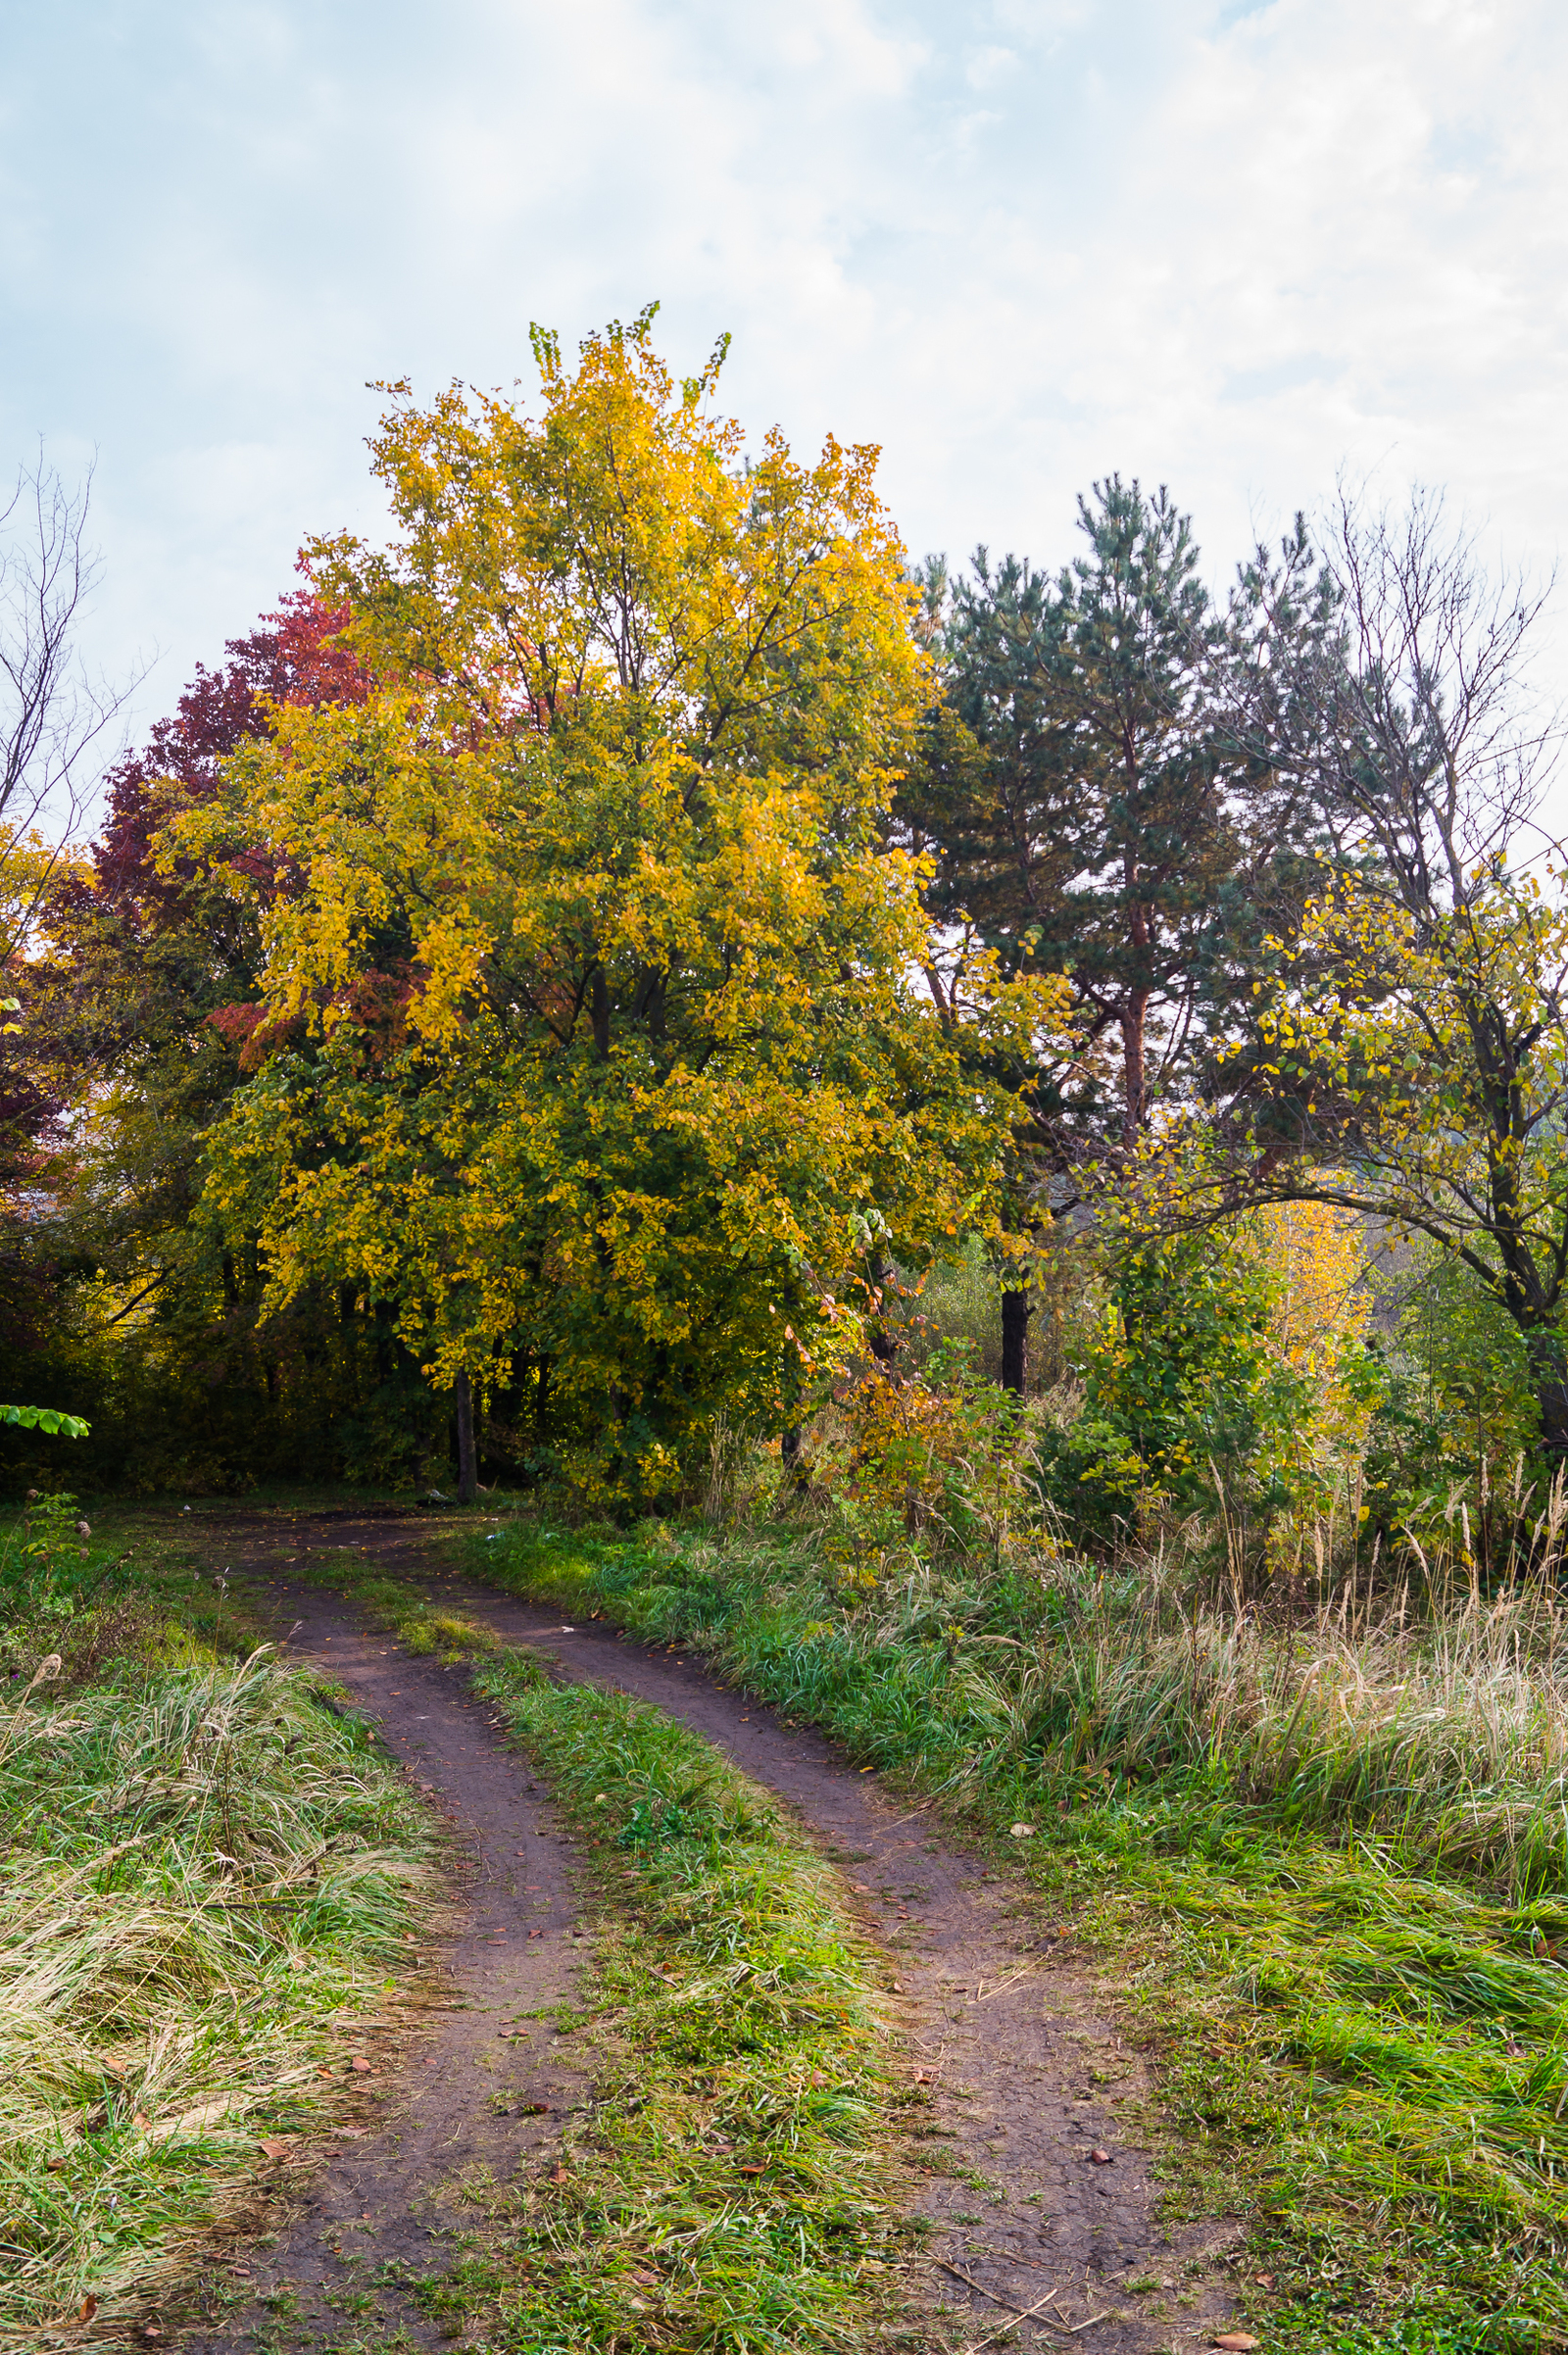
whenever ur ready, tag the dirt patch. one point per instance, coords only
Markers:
(461, 2103)
(1030, 2132)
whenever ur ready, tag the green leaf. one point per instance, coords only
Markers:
(47, 1419)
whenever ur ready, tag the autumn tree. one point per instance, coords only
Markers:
(593, 1034)
(55, 714)
(1412, 1055)
(56, 723)
(137, 1007)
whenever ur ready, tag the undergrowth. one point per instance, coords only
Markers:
(208, 1888)
(1328, 1858)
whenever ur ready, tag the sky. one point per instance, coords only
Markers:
(1018, 243)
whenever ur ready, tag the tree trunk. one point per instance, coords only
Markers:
(883, 1343)
(789, 1447)
(1550, 1373)
(468, 1465)
(1015, 1314)
(1134, 1022)
(541, 1404)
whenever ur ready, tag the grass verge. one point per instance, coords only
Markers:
(208, 1890)
(732, 2189)
(1345, 1956)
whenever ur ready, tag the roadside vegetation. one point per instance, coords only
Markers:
(1326, 1856)
(209, 1891)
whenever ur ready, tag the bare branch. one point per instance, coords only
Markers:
(54, 716)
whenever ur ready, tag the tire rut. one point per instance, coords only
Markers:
(462, 2104)
(1032, 2150)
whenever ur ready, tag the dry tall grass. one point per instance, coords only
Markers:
(206, 1878)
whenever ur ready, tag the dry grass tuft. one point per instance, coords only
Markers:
(205, 1872)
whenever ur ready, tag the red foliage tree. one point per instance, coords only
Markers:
(292, 661)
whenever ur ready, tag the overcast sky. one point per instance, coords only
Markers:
(1016, 242)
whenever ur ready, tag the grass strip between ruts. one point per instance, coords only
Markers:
(732, 2188)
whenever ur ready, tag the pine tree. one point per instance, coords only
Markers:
(1099, 801)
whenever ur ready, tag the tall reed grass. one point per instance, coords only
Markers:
(206, 1878)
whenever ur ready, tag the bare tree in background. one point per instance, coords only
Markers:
(1410, 1059)
(1434, 750)
(55, 717)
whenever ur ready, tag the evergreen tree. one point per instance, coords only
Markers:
(1102, 798)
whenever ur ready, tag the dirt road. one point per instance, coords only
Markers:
(463, 2095)
(1030, 2149)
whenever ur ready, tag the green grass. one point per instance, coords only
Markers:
(1331, 1869)
(207, 1893)
(734, 2189)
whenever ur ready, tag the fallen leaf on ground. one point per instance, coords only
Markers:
(561, 2175)
(87, 2309)
(362, 2065)
(1235, 2342)
(1023, 1831)
(275, 2146)
(141, 2122)
(1102, 2158)
(1264, 2281)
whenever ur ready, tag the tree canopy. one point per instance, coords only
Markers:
(591, 1026)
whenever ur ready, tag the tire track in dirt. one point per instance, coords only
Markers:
(1026, 2078)
(1022, 2076)
(460, 2102)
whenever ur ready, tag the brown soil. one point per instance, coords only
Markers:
(1032, 2149)
(459, 2102)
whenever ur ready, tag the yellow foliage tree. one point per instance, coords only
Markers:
(1418, 1071)
(1318, 1261)
(594, 1030)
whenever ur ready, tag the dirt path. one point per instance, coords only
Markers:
(460, 2100)
(1031, 2139)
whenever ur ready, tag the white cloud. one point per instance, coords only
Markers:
(1019, 242)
